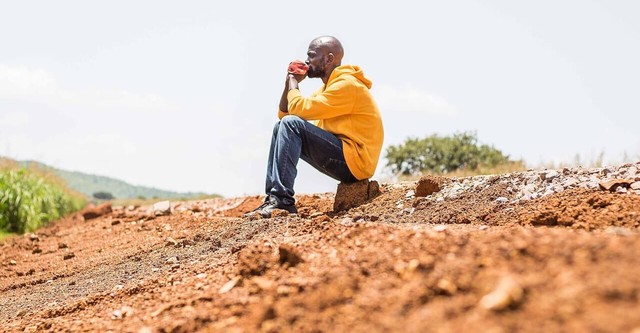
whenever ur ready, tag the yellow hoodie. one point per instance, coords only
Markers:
(345, 107)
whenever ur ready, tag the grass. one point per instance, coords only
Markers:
(4, 235)
(29, 199)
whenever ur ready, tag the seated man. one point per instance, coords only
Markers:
(346, 142)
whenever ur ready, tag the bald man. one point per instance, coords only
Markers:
(346, 139)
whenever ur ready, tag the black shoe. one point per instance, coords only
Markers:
(270, 204)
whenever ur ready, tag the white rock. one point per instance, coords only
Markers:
(632, 171)
(410, 194)
(162, 208)
(501, 200)
(508, 292)
(635, 186)
(551, 175)
(440, 228)
(570, 182)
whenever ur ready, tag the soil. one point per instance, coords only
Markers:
(566, 262)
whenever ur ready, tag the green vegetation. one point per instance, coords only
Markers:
(4, 235)
(103, 196)
(29, 200)
(457, 154)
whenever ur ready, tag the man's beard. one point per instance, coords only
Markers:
(315, 72)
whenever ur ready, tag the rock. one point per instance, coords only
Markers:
(68, 256)
(620, 231)
(632, 171)
(170, 242)
(507, 293)
(12, 263)
(440, 228)
(229, 285)
(37, 250)
(279, 213)
(570, 182)
(125, 311)
(172, 260)
(349, 195)
(347, 221)
(115, 222)
(446, 286)
(613, 184)
(502, 200)
(550, 175)
(410, 194)
(635, 186)
(62, 246)
(161, 208)
(92, 212)
(428, 185)
(34, 238)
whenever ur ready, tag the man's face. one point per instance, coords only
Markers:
(315, 60)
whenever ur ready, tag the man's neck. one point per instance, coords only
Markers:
(325, 78)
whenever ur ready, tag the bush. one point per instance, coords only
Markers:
(442, 154)
(29, 200)
(103, 195)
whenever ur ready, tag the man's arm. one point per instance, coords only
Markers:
(290, 83)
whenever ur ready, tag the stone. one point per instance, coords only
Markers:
(501, 200)
(410, 194)
(161, 208)
(229, 285)
(34, 237)
(440, 228)
(62, 246)
(570, 182)
(506, 294)
(68, 256)
(93, 212)
(613, 184)
(632, 171)
(635, 186)
(550, 175)
(172, 260)
(12, 263)
(279, 213)
(427, 185)
(350, 195)
(170, 241)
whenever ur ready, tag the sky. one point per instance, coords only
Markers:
(183, 95)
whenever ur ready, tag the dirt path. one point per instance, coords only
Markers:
(567, 262)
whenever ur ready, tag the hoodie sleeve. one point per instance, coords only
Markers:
(338, 99)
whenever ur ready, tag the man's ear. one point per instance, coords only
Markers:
(330, 58)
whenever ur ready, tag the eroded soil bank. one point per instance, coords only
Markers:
(481, 258)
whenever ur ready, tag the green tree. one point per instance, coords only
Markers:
(442, 154)
(103, 195)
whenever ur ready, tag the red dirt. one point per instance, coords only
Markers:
(396, 263)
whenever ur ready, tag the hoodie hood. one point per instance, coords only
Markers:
(352, 70)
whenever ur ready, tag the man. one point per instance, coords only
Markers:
(346, 142)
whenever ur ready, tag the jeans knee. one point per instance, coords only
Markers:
(291, 122)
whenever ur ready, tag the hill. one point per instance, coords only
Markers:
(89, 184)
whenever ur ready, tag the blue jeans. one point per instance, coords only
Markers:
(294, 138)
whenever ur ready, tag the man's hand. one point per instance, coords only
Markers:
(292, 81)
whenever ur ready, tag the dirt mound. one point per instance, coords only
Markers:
(526, 252)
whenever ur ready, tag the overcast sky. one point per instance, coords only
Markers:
(183, 95)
